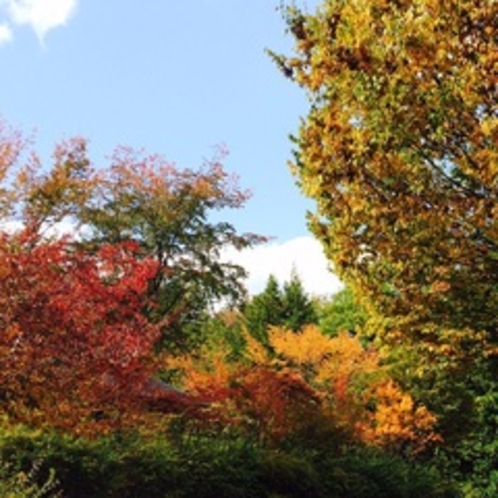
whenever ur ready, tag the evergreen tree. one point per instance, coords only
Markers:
(264, 309)
(289, 307)
(297, 307)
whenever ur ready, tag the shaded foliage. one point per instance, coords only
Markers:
(203, 465)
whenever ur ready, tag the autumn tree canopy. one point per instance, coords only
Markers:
(399, 150)
(166, 210)
(82, 316)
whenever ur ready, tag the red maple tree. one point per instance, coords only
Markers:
(75, 346)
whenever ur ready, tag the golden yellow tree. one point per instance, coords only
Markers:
(400, 152)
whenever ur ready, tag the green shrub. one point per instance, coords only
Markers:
(211, 464)
(369, 473)
(127, 466)
(290, 475)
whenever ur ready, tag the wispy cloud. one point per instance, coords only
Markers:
(40, 15)
(303, 255)
(5, 33)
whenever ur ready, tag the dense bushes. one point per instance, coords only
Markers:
(201, 464)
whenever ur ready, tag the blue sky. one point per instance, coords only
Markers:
(176, 77)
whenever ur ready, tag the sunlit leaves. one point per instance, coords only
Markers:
(76, 349)
(399, 149)
(307, 384)
(168, 211)
(356, 390)
(51, 197)
(397, 423)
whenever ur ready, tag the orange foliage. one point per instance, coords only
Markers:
(313, 382)
(398, 423)
(79, 318)
(260, 398)
(277, 403)
(356, 390)
(209, 379)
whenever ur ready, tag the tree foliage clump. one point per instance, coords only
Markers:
(310, 389)
(83, 316)
(340, 313)
(139, 198)
(74, 342)
(400, 152)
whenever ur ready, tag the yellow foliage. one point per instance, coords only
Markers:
(306, 347)
(357, 391)
(334, 379)
(255, 351)
(326, 359)
(398, 422)
(203, 371)
(399, 151)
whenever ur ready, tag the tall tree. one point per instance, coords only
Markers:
(142, 198)
(298, 309)
(263, 310)
(400, 152)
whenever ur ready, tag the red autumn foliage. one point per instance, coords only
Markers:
(75, 347)
(277, 403)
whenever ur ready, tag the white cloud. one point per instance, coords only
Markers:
(5, 33)
(41, 15)
(303, 254)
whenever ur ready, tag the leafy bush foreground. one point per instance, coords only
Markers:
(203, 465)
